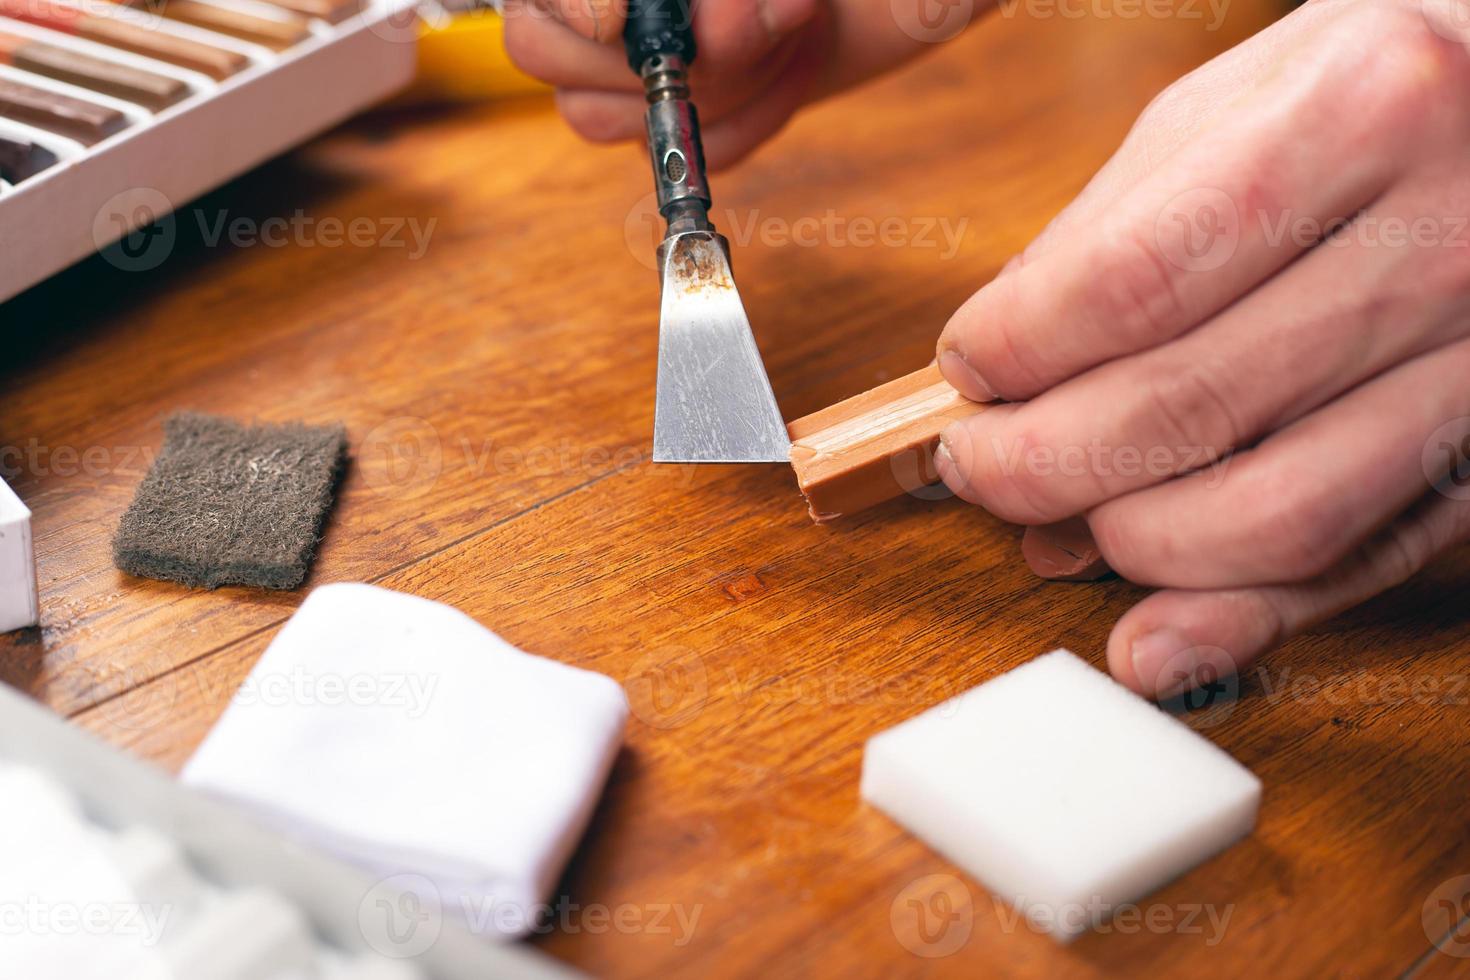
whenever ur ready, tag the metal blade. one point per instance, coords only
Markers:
(714, 402)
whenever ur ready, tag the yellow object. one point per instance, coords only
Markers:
(464, 61)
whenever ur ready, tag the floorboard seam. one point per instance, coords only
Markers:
(469, 536)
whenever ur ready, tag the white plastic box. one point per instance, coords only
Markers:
(18, 608)
(95, 195)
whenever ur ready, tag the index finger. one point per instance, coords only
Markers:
(1212, 222)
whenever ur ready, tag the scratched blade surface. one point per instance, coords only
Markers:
(714, 402)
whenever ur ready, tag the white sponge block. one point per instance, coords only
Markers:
(1062, 791)
(17, 564)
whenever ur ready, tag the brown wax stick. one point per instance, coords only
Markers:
(145, 88)
(22, 159)
(876, 445)
(82, 121)
(331, 11)
(277, 34)
(217, 63)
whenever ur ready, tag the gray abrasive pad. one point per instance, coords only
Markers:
(232, 504)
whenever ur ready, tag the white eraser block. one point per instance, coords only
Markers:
(401, 735)
(1063, 792)
(18, 607)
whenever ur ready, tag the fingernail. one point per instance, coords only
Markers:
(1164, 662)
(963, 378)
(943, 461)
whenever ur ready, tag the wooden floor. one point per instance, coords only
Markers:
(499, 395)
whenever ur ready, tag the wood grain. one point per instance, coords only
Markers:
(498, 393)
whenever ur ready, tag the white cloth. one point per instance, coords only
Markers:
(404, 737)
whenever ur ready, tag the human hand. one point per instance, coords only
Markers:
(1243, 349)
(758, 61)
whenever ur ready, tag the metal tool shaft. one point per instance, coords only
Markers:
(674, 146)
(714, 402)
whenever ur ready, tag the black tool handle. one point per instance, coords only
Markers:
(658, 27)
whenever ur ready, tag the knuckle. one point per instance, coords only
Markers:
(991, 333)
(1292, 528)
(1137, 554)
(590, 119)
(1404, 67)
(1137, 294)
(1191, 409)
(525, 44)
(1012, 477)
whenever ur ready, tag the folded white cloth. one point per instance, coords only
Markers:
(404, 737)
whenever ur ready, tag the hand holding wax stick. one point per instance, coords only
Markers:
(217, 63)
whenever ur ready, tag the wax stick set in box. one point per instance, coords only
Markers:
(112, 114)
